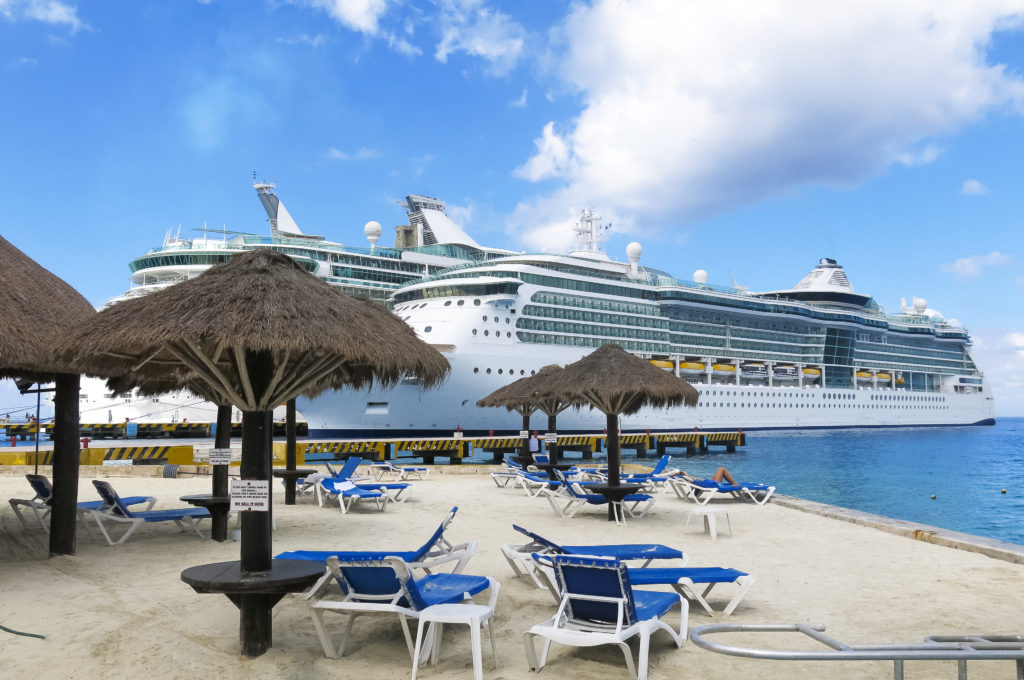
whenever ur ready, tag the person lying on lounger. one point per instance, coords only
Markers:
(721, 474)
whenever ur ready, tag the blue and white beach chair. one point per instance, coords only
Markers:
(398, 472)
(40, 503)
(375, 585)
(701, 491)
(437, 551)
(115, 511)
(599, 606)
(347, 494)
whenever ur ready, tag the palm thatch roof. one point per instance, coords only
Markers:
(259, 311)
(538, 392)
(616, 382)
(35, 307)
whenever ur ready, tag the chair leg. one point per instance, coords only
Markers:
(744, 583)
(628, 653)
(321, 632)
(416, 651)
(474, 637)
(531, 652)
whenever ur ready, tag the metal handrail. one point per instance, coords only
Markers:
(934, 648)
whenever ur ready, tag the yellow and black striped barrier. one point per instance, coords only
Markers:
(455, 448)
(730, 440)
(24, 431)
(367, 448)
(498, 447)
(691, 441)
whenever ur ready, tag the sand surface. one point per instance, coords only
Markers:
(123, 612)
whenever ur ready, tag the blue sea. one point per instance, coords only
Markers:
(951, 477)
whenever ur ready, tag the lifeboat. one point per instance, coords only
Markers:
(812, 374)
(691, 367)
(661, 363)
(864, 376)
(883, 377)
(723, 369)
(900, 380)
(754, 371)
(784, 373)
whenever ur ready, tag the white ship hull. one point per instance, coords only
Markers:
(408, 410)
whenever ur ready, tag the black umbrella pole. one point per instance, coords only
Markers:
(553, 448)
(256, 539)
(614, 460)
(66, 453)
(222, 440)
(289, 482)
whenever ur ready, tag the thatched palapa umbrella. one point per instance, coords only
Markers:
(533, 393)
(35, 308)
(615, 382)
(256, 331)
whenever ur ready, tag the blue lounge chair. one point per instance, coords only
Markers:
(385, 585)
(598, 605)
(519, 556)
(695, 583)
(114, 510)
(347, 494)
(435, 552)
(398, 472)
(574, 498)
(40, 503)
(703, 490)
(397, 492)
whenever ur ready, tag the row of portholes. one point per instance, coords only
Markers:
(501, 371)
(776, 405)
(497, 334)
(827, 395)
(733, 393)
(497, 320)
(448, 303)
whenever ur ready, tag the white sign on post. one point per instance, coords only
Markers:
(523, 434)
(550, 437)
(220, 456)
(250, 494)
(457, 434)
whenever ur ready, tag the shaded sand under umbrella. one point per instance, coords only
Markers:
(256, 331)
(616, 382)
(35, 308)
(529, 394)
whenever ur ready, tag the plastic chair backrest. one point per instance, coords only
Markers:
(349, 467)
(111, 499)
(433, 540)
(41, 485)
(586, 575)
(662, 464)
(376, 579)
(540, 540)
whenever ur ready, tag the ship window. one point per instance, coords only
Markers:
(476, 303)
(474, 331)
(508, 334)
(522, 371)
(447, 303)
(485, 317)
(460, 303)
(499, 371)
(488, 371)
(476, 370)
(487, 332)
(428, 329)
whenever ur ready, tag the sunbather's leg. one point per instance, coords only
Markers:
(722, 473)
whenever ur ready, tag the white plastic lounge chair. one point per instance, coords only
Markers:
(437, 551)
(509, 473)
(347, 494)
(115, 511)
(399, 473)
(385, 585)
(599, 606)
(40, 503)
(395, 491)
(519, 557)
(701, 491)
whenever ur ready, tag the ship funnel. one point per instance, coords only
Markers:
(280, 220)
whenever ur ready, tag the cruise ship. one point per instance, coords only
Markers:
(430, 242)
(818, 355)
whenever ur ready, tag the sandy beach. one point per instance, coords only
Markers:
(123, 612)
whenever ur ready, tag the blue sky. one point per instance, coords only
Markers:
(747, 139)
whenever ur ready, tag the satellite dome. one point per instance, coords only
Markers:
(700, 276)
(920, 305)
(633, 251)
(373, 230)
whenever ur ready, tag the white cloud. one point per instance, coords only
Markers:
(519, 103)
(403, 46)
(362, 16)
(691, 109)
(551, 159)
(479, 31)
(46, 11)
(21, 62)
(926, 155)
(1000, 354)
(971, 267)
(360, 154)
(305, 39)
(972, 187)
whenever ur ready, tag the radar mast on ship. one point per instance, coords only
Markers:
(589, 233)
